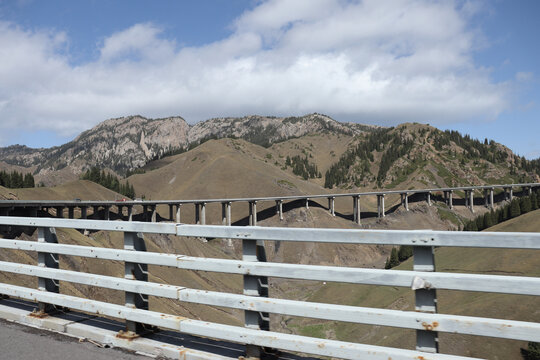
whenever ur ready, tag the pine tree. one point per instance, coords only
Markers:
(405, 252)
(515, 210)
(488, 222)
(394, 260)
(525, 204)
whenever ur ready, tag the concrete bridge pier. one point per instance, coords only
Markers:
(279, 208)
(153, 209)
(331, 204)
(178, 207)
(95, 212)
(307, 203)
(130, 213)
(405, 200)
(84, 212)
(450, 200)
(428, 198)
(380, 206)
(71, 212)
(471, 200)
(171, 212)
(356, 209)
(107, 213)
(59, 211)
(252, 213)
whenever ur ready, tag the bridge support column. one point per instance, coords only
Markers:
(491, 203)
(130, 213)
(331, 205)
(197, 214)
(153, 217)
(356, 209)
(49, 260)
(145, 212)
(307, 203)
(471, 200)
(59, 212)
(252, 213)
(178, 207)
(428, 198)
(406, 199)
(71, 212)
(84, 212)
(171, 210)
(279, 208)
(223, 213)
(95, 212)
(450, 200)
(425, 298)
(511, 196)
(107, 213)
(380, 206)
(135, 271)
(253, 250)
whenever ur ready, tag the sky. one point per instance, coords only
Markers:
(471, 66)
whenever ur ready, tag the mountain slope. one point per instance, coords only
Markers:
(128, 143)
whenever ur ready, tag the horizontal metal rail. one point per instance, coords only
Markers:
(436, 280)
(52, 203)
(513, 240)
(288, 342)
(508, 329)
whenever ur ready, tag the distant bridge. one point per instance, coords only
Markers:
(256, 337)
(149, 207)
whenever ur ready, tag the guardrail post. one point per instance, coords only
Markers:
(135, 271)
(253, 250)
(425, 299)
(49, 260)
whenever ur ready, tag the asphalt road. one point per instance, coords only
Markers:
(19, 342)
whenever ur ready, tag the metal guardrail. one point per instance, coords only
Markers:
(255, 300)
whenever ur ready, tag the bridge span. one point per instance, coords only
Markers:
(490, 194)
(256, 339)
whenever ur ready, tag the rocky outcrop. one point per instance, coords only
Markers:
(128, 143)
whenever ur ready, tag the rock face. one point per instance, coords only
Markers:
(128, 143)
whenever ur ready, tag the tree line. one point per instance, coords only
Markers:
(16, 180)
(302, 167)
(509, 211)
(109, 181)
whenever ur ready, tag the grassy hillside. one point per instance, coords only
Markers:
(483, 261)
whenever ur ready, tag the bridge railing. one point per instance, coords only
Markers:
(255, 300)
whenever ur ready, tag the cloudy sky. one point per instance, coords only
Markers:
(473, 66)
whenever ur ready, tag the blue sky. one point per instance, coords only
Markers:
(472, 66)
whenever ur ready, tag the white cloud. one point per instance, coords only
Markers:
(370, 61)
(524, 76)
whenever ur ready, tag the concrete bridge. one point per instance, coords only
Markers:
(135, 322)
(148, 208)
